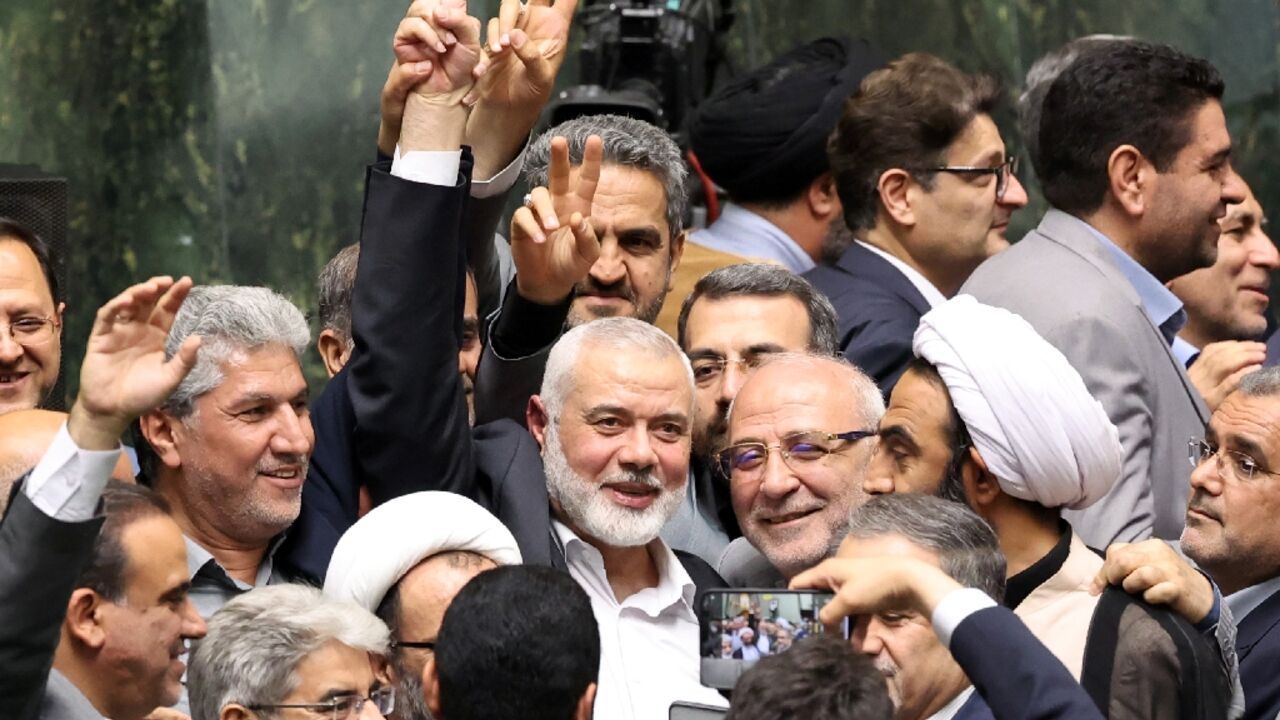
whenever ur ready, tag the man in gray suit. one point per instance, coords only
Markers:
(64, 587)
(1135, 158)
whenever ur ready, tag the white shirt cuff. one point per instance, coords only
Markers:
(67, 482)
(430, 167)
(501, 182)
(955, 608)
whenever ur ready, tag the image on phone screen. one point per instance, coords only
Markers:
(739, 627)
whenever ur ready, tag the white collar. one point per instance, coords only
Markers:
(932, 295)
(949, 710)
(674, 584)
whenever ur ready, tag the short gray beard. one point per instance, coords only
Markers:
(411, 701)
(586, 507)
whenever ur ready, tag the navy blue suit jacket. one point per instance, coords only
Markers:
(1258, 648)
(1015, 675)
(878, 308)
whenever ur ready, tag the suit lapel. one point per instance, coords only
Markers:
(1062, 229)
(1257, 624)
(866, 265)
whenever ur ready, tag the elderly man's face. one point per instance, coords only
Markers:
(28, 360)
(146, 632)
(617, 457)
(725, 340)
(914, 446)
(1228, 301)
(794, 512)
(336, 670)
(426, 592)
(1231, 530)
(637, 253)
(921, 674)
(245, 449)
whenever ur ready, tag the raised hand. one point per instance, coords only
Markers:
(1153, 569)
(1220, 367)
(439, 38)
(124, 372)
(553, 242)
(869, 585)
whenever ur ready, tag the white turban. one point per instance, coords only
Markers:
(394, 537)
(1035, 424)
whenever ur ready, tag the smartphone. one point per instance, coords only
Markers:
(740, 626)
(693, 711)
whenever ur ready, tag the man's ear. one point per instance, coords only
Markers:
(824, 202)
(431, 686)
(537, 419)
(586, 703)
(1130, 175)
(677, 253)
(236, 711)
(980, 486)
(158, 429)
(62, 309)
(334, 351)
(894, 190)
(83, 620)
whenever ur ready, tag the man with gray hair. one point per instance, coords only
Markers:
(819, 414)
(630, 187)
(289, 647)
(229, 448)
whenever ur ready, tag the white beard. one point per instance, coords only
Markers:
(592, 512)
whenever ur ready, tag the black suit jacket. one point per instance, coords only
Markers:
(879, 310)
(1258, 648)
(395, 418)
(40, 560)
(1015, 675)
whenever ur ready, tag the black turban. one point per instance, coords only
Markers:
(763, 137)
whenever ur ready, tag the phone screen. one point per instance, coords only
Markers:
(739, 627)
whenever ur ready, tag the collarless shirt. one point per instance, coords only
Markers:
(932, 295)
(1243, 602)
(1161, 306)
(648, 641)
(742, 232)
(949, 710)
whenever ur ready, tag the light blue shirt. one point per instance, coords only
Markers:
(742, 232)
(1161, 306)
(1243, 602)
(1184, 351)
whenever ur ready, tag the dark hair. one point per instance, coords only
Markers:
(770, 281)
(819, 678)
(966, 545)
(958, 438)
(904, 115)
(517, 642)
(336, 283)
(123, 504)
(14, 230)
(1135, 93)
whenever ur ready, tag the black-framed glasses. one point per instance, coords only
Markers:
(1002, 172)
(1230, 463)
(417, 645)
(343, 707)
(799, 451)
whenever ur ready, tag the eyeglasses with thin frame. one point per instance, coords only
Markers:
(707, 370)
(800, 451)
(30, 330)
(343, 707)
(1002, 172)
(1230, 463)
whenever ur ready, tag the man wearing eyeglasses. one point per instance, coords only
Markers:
(799, 441)
(1135, 158)
(1231, 527)
(928, 189)
(30, 319)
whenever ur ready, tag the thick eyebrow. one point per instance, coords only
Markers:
(338, 692)
(1218, 158)
(177, 592)
(703, 354)
(599, 410)
(1247, 446)
(676, 417)
(899, 434)
(764, 349)
(649, 235)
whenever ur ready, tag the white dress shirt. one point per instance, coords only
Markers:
(932, 295)
(648, 642)
(68, 482)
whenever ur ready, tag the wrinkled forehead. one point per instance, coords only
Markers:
(636, 379)
(1249, 423)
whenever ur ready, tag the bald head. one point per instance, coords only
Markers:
(794, 508)
(25, 435)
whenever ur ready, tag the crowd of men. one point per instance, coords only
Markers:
(1039, 478)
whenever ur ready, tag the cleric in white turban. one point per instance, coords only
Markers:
(405, 561)
(992, 415)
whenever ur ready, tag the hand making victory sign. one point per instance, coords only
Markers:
(553, 242)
